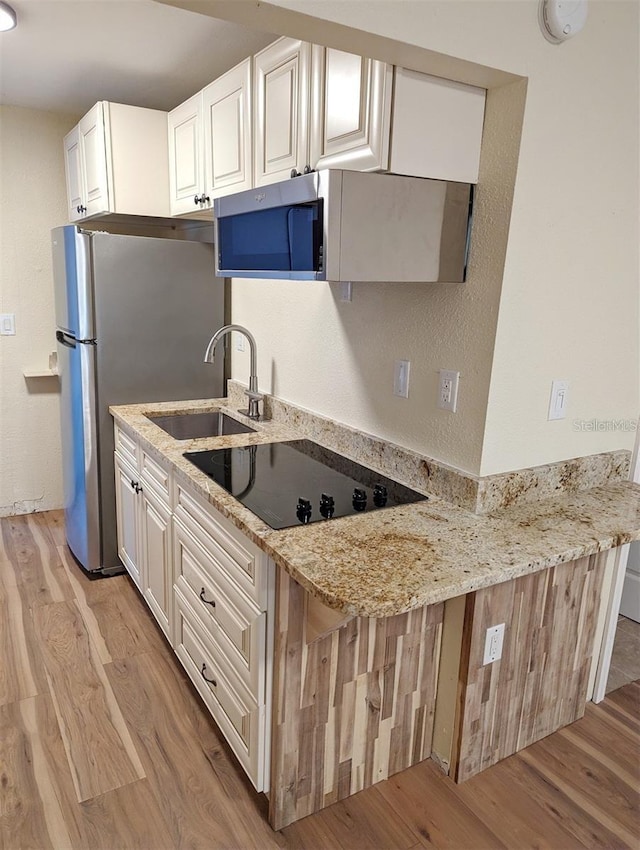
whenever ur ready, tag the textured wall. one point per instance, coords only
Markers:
(32, 201)
(568, 301)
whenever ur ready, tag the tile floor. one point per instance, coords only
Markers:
(625, 660)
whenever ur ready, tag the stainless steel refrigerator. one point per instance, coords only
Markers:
(134, 315)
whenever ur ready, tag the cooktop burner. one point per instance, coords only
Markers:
(298, 482)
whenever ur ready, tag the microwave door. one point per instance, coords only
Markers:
(279, 242)
(300, 225)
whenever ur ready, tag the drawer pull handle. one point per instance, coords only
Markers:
(211, 602)
(209, 681)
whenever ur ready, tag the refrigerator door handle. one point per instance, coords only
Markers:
(80, 450)
(64, 339)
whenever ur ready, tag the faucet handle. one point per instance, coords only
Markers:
(254, 400)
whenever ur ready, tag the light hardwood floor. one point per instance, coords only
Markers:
(104, 744)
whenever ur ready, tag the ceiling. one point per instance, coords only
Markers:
(65, 55)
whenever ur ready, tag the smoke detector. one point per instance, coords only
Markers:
(562, 19)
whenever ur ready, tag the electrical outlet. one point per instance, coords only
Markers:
(559, 400)
(401, 378)
(448, 390)
(493, 644)
(240, 339)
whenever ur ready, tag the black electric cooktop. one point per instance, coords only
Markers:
(298, 482)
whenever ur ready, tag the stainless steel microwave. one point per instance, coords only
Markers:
(346, 226)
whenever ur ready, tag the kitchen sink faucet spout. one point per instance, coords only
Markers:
(254, 396)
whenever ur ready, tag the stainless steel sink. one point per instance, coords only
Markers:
(191, 426)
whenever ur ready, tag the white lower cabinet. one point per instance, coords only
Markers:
(143, 516)
(240, 717)
(127, 518)
(210, 589)
(155, 528)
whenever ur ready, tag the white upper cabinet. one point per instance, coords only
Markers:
(116, 161)
(94, 160)
(186, 158)
(226, 105)
(437, 127)
(350, 111)
(73, 170)
(281, 97)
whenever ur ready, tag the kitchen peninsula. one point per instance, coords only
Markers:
(360, 641)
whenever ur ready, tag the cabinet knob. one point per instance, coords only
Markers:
(295, 173)
(308, 169)
(81, 208)
(210, 681)
(205, 199)
(196, 199)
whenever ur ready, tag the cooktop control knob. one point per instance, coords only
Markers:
(379, 495)
(359, 500)
(303, 511)
(327, 506)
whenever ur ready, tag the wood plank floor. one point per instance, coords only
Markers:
(104, 744)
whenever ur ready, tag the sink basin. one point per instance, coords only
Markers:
(191, 426)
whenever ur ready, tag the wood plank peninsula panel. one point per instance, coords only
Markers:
(353, 704)
(541, 682)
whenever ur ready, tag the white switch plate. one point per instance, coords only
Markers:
(448, 390)
(559, 400)
(401, 378)
(7, 324)
(493, 644)
(240, 338)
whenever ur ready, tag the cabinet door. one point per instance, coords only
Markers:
(156, 558)
(226, 105)
(94, 161)
(281, 92)
(186, 172)
(73, 171)
(127, 519)
(350, 111)
(437, 127)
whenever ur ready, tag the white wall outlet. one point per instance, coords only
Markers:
(346, 290)
(493, 644)
(7, 324)
(559, 400)
(401, 378)
(240, 340)
(448, 390)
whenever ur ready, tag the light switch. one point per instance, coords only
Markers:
(559, 399)
(7, 324)
(401, 378)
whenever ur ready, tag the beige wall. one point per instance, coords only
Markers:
(568, 301)
(32, 201)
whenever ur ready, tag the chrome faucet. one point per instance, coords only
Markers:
(254, 396)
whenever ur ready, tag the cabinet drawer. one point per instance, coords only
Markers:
(235, 623)
(126, 447)
(240, 719)
(155, 476)
(244, 564)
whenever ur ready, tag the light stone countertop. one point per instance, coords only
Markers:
(386, 562)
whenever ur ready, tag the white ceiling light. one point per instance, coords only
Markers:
(7, 17)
